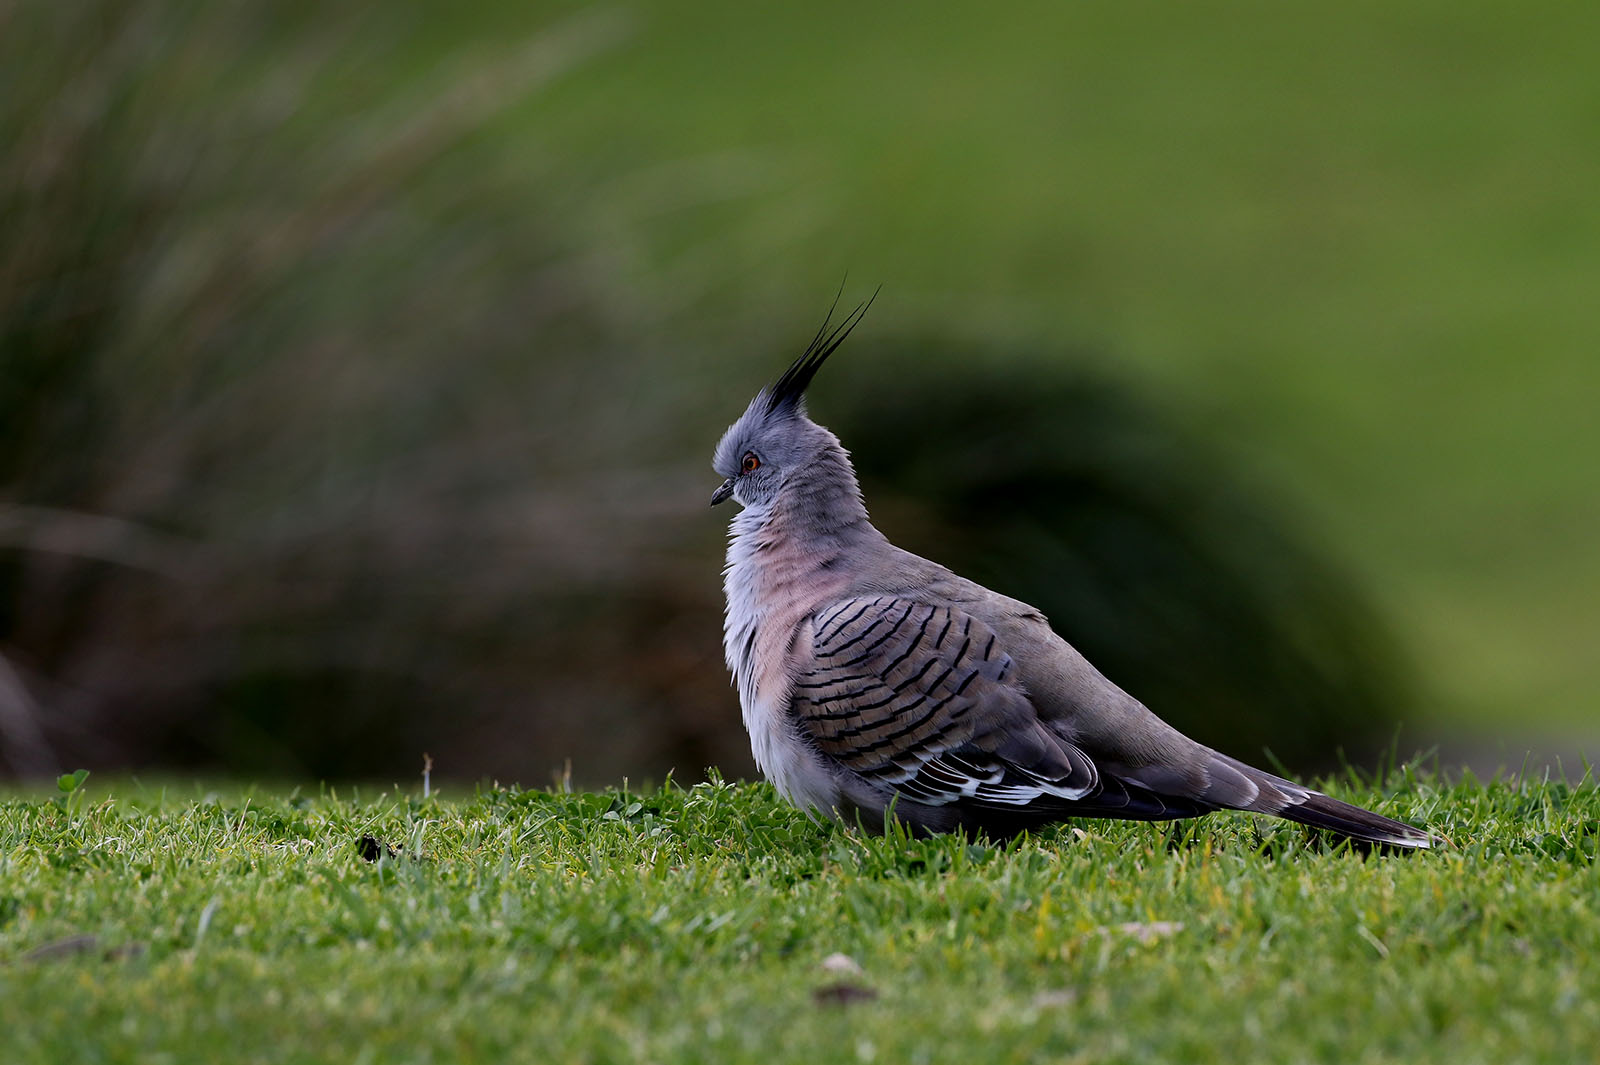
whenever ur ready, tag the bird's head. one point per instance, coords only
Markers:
(773, 438)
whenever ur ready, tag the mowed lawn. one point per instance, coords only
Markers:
(144, 924)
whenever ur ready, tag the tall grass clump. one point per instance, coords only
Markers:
(288, 351)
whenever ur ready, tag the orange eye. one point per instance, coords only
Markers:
(750, 463)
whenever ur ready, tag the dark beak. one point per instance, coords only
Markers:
(722, 493)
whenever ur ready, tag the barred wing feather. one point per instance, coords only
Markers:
(921, 699)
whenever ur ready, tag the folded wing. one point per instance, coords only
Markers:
(921, 700)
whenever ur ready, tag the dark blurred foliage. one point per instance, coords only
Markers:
(288, 373)
(325, 442)
(1171, 574)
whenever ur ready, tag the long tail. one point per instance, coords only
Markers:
(1267, 794)
(1322, 812)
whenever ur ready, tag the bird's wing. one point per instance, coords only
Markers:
(921, 699)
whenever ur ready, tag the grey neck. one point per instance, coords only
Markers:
(823, 501)
(815, 525)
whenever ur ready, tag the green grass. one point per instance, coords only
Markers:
(692, 925)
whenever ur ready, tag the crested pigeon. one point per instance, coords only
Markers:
(875, 682)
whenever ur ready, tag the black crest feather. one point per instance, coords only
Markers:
(791, 387)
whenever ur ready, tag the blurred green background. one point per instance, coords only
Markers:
(359, 370)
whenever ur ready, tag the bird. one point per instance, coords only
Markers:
(876, 684)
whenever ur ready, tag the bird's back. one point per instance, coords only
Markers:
(1069, 694)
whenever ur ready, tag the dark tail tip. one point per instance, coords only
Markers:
(1319, 811)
